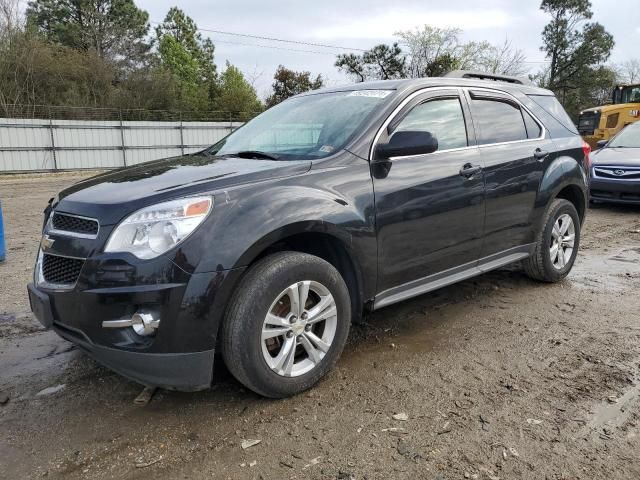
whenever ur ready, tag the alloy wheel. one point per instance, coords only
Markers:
(299, 328)
(563, 238)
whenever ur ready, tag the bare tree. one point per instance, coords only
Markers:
(11, 18)
(503, 59)
(629, 71)
(434, 51)
(428, 48)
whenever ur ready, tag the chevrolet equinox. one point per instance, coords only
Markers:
(267, 245)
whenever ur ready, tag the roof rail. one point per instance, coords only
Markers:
(486, 76)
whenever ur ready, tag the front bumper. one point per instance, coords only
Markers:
(172, 371)
(179, 356)
(615, 191)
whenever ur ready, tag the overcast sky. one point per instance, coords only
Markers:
(362, 24)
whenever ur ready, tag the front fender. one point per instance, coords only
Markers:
(250, 219)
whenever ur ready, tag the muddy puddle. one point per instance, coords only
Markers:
(611, 272)
(613, 414)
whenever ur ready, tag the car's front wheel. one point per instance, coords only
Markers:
(557, 243)
(287, 324)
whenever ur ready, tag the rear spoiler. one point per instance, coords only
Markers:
(487, 76)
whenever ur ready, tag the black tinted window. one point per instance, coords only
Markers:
(551, 105)
(442, 118)
(533, 129)
(498, 121)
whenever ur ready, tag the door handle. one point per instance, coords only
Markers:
(540, 154)
(469, 170)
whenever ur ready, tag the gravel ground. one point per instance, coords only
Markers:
(495, 378)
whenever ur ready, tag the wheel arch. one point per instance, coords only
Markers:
(574, 194)
(320, 239)
(566, 179)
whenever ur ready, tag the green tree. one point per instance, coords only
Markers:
(382, 62)
(184, 32)
(236, 95)
(576, 48)
(114, 29)
(288, 83)
(190, 59)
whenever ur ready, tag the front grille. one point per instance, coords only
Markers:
(61, 270)
(73, 224)
(588, 122)
(617, 173)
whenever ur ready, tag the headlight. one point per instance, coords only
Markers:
(152, 231)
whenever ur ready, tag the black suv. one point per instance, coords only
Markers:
(266, 246)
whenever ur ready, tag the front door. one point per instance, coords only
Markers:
(429, 208)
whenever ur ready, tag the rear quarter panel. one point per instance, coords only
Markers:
(566, 168)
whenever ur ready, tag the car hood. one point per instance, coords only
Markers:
(622, 157)
(111, 196)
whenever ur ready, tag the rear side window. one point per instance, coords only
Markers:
(498, 121)
(533, 128)
(551, 105)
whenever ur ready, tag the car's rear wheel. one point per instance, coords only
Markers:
(287, 324)
(557, 243)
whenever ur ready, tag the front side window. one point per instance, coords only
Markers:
(308, 127)
(498, 121)
(442, 118)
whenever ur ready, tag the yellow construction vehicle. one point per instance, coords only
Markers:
(602, 123)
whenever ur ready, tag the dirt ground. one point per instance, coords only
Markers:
(495, 378)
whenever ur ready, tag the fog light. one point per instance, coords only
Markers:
(143, 323)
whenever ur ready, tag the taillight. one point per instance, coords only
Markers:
(586, 149)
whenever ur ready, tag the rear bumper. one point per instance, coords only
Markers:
(615, 191)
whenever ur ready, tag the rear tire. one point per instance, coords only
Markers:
(286, 324)
(557, 243)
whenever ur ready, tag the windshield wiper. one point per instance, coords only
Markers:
(256, 154)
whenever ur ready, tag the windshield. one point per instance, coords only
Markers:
(627, 95)
(627, 138)
(301, 128)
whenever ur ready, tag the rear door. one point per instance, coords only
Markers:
(429, 208)
(514, 150)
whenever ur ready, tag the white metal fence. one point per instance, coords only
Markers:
(42, 144)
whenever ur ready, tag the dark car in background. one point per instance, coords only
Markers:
(266, 246)
(616, 168)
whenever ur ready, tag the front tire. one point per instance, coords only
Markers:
(557, 243)
(286, 324)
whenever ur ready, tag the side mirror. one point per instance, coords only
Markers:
(402, 144)
(602, 143)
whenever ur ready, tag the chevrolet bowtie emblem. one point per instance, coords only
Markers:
(46, 242)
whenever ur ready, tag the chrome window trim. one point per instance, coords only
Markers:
(405, 102)
(39, 275)
(65, 233)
